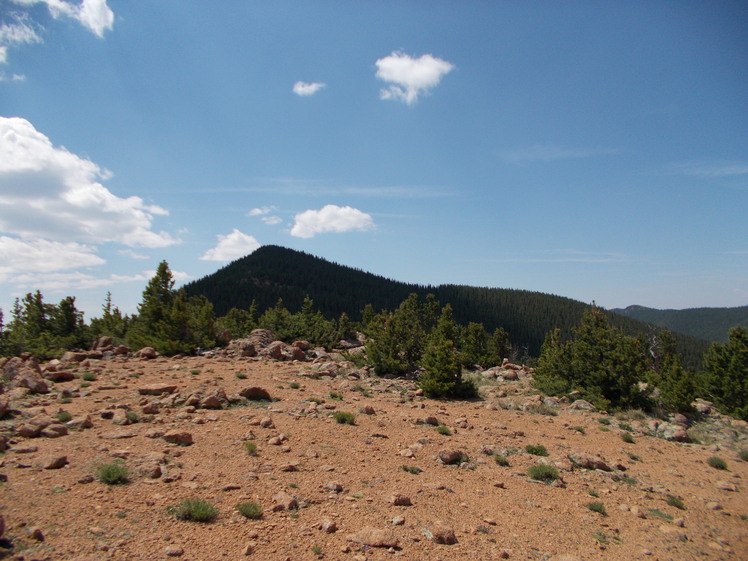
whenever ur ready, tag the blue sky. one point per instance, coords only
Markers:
(595, 150)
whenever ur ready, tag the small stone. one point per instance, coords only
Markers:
(35, 533)
(334, 486)
(375, 537)
(156, 389)
(284, 501)
(398, 521)
(714, 505)
(173, 550)
(182, 438)
(368, 410)
(442, 534)
(398, 499)
(249, 549)
(54, 462)
(328, 526)
(726, 486)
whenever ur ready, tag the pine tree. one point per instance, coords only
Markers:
(725, 380)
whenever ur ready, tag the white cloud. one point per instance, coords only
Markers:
(549, 153)
(330, 218)
(307, 88)
(132, 254)
(14, 35)
(43, 256)
(75, 280)
(410, 77)
(261, 210)
(95, 15)
(710, 170)
(271, 220)
(231, 246)
(47, 192)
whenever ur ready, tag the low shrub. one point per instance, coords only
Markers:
(250, 510)
(717, 463)
(344, 418)
(115, 473)
(538, 450)
(597, 507)
(744, 454)
(412, 469)
(626, 437)
(63, 416)
(543, 472)
(677, 502)
(250, 448)
(444, 430)
(501, 460)
(194, 510)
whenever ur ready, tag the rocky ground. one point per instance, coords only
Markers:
(383, 487)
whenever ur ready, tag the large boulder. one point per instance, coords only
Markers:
(19, 373)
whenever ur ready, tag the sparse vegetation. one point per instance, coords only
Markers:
(132, 416)
(580, 430)
(597, 507)
(194, 510)
(677, 502)
(501, 460)
(659, 514)
(536, 450)
(717, 463)
(344, 418)
(63, 416)
(543, 472)
(544, 409)
(444, 430)
(250, 510)
(627, 438)
(241, 375)
(88, 377)
(115, 473)
(744, 454)
(336, 396)
(250, 448)
(294, 385)
(412, 469)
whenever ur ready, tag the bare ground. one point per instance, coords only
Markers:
(495, 511)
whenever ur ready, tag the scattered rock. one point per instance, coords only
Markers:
(284, 501)
(442, 534)
(147, 353)
(254, 393)
(53, 462)
(587, 461)
(398, 499)
(183, 438)
(451, 457)
(173, 550)
(375, 537)
(328, 526)
(156, 389)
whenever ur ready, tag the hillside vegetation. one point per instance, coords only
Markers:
(273, 272)
(710, 324)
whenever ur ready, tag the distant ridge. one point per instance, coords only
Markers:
(710, 324)
(273, 272)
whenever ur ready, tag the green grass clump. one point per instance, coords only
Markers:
(604, 420)
(337, 396)
(412, 469)
(744, 454)
(597, 507)
(195, 371)
(677, 502)
(544, 409)
(194, 510)
(294, 385)
(115, 473)
(88, 376)
(717, 463)
(543, 472)
(659, 514)
(250, 448)
(241, 375)
(580, 430)
(63, 416)
(538, 450)
(250, 510)
(627, 438)
(444, 430)
(344, 418)
(501, 460)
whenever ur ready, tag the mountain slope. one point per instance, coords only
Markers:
(274, 272)
(710, 324)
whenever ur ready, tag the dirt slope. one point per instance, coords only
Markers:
(347, 478)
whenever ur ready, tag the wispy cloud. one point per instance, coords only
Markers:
(305, 89)
(95, 15)
(321, 188)
(330, 218)
(700, 169)
(410, 78)
(550, 153)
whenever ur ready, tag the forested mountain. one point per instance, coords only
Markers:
(710, 324)
(272, 272)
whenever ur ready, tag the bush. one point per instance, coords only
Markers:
(63, 416)
(539, 450)
(501, 460)
(717, 463)
(194, 510)
(89, 377)
(444, 430)
(115, 473)
(412, 469)
(744, 454)
(250, 448)
(344, 418)
(250, 510)
(597, 507)
(543, 472)
(626, 437)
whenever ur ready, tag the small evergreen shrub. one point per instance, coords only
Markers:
(88, 376)
(744, 454)
(543, 472)
(597, 507)
(717, 463)
(580, 430)
(250, 510)
(544, 409)
(444, 430)
(194, 510)
(132, 416)
(412, 469)
(344, 418)
(538, 450)
(337, 396)
(241, 375)
(294, 385)
(115, 473)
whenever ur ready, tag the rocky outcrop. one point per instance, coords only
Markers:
(20, 373)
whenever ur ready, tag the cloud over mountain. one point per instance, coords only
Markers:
(330, 218)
